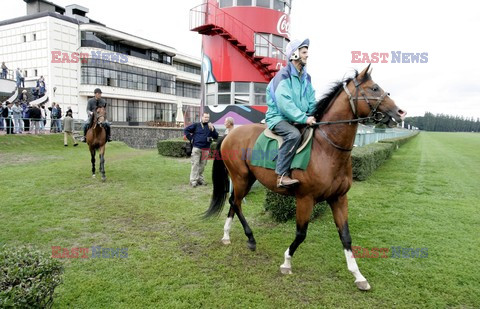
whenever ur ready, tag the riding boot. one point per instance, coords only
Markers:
(84, 139)
(284, 181)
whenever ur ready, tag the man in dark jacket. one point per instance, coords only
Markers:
(201, 134)
(36, 117)
(92, 105)
(7, 115)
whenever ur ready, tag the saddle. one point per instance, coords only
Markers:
(306, 132)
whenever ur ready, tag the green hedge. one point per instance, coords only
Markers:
(28, 278)
(366, 159)
(282, 208)
(175, 147)
(172, 148)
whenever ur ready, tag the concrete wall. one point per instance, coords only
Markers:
(144, 137)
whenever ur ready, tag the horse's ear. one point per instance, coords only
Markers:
(365, 71)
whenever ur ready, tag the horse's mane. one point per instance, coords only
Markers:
(332, 93)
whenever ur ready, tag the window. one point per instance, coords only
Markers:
(211, 88)
(225, 3)
(242, 87)
(260, 93)
(263, 3)
(191, 114)
(261, 44)
(211, 99)
(224, 87)
(242, 93)
(224, 99)
(244, 2)
(278, 5)
(126, 76)
(34, 36)
(36, 72)
(277, 47)
(24, 38)
(270, 45)
(259, 88)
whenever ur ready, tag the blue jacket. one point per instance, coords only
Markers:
(289, 97)
(200, 134)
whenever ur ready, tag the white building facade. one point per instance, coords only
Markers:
(144, 82)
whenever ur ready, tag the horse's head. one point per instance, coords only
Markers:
(100, 114)
(368, 99)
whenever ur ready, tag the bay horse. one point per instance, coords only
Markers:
(328, 175)
(97, 138)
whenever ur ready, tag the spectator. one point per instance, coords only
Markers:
(26, 115)
(53, 121)
(17, 117)
(58, 118)
(41, 89)
(20, 79)
(35, 93)
(202, 133)
(36, 119)
(1, 117)
(229, 125)
(7, 115)
(4, 70)
(68, 129)
(24, 96)
(43, 122)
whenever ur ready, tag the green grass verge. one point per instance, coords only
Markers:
(426, 195)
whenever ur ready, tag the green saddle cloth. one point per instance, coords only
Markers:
(266, 149)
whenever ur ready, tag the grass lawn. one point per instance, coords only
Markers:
(425, 196)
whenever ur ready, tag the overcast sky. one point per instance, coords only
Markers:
(448, 83)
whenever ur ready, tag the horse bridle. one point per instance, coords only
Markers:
(373, 115)
(97, 116)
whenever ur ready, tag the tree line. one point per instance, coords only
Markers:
(444, 123)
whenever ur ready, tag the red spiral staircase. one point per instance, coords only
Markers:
(208, 19)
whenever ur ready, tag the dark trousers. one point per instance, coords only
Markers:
(291, 141)
(9, 125)
(26, 124)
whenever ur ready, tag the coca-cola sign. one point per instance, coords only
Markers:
(283, 25)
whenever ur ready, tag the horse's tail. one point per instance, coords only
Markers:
(221, 185)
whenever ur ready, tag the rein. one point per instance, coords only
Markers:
(373, 115)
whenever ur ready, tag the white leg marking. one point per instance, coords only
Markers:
(226, 231)
(286, 267)
(353, 268)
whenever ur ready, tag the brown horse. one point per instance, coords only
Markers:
(328, 175)
(97, 138)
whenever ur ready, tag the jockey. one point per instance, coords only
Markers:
(92, 105)
(290, 99)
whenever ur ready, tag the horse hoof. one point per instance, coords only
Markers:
(363, 285)
(226, 241)
(286, 270)
(252, 246)
(93, 176)
(103, 179)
